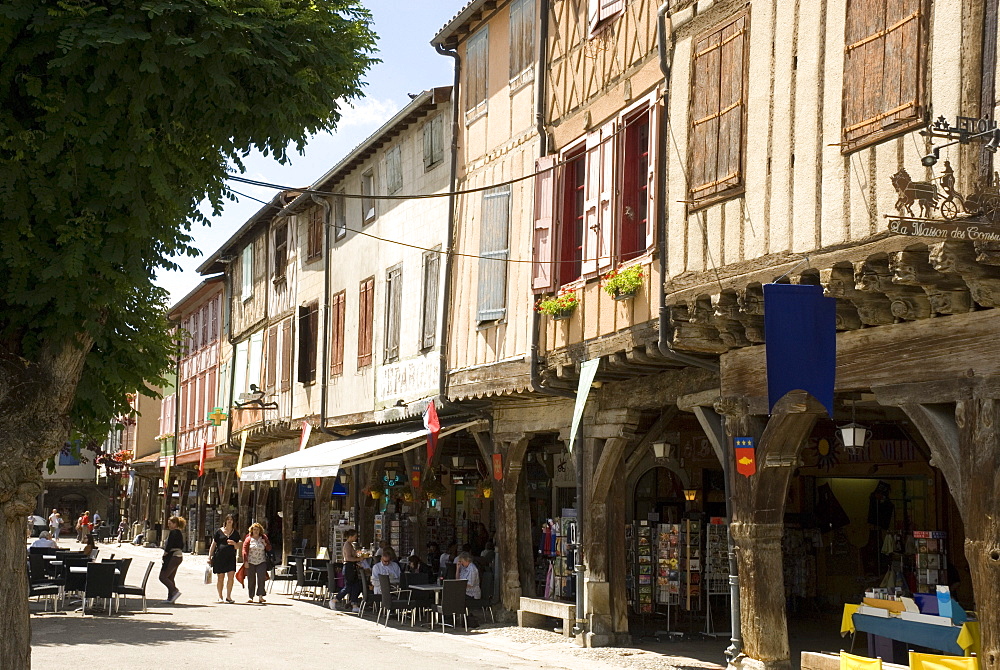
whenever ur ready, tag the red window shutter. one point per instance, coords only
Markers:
(541, 274)
(883, 69)
(286, 354)
(366, 314)
(271, 376)
(337, 333)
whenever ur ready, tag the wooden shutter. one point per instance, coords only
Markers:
(337, 333)
(610, 8)
(271, 364)
(541, 251)
(286, 354)
(717, 110)
(429, 144)
(655, 109)
(593, 14)
(280, 249)
(308, 340)
(883, 69)
(315, 235)
(366, 313)
(214, 308)
(393, 309)
(432, 272)
(598, 213)
(493, 253)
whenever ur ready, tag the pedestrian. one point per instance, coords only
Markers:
(255, 548)
(173, 554)
(83, 526)
(352, 572)
(222, 556)
(96, 521)
(122, 531)
(55, 524)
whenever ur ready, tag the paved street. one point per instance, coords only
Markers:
(198, 633)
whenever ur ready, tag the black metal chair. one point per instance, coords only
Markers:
(125, 590)
(367, 598)
(453, 603)
(332, 572)
(286, 575)
(303, 580)
(485, 602)
(41, 550)
(390, 604)
(75, 582)
(50, 591)
(100, 583)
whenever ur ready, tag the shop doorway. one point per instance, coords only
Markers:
(658, 496)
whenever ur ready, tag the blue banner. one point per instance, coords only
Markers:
(800, 330)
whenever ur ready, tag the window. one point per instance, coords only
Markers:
(339, 217)
(493, 253)
(337, 313)
(434, 142)
(366, 315)
(280, 250)
(286, 355)
(428, 312)
(884, 64)
(393, 311)
(635, 233)
(196, 331)
(599, 11)
(308, 339)
(246, 272)
(393, 169)
(718, 105)
(67, 458)
(522, 40)
(213, 308)
(571, 223)
(314, 243)
(367, 191)
(476, 55)
(272, 363)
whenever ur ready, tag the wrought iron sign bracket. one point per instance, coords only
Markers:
(254, 400)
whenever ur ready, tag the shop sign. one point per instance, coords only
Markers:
(414, 378)
(948, 230)
(746, 458)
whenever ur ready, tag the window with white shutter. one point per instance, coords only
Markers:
(434, 142)
(429, 311)
(599, 11)
(368, 211)
(493, 253)
(476, 57)
(246, 272)
(393, 311)
(394, 169)
(522, 41)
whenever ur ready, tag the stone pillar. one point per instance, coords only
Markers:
(289, 488)
(322, 508)
(260, 503)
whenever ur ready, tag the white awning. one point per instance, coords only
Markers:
(325, 460)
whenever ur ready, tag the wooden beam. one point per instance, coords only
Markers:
(939, 349)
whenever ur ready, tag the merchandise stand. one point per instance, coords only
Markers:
(716, 573)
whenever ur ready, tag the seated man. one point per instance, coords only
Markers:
(468, 571)
(45, 540)
(386, 566)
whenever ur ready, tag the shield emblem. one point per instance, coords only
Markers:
(746, 459)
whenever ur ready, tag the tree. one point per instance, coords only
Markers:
(117, 118)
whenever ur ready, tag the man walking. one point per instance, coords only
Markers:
(55, 523)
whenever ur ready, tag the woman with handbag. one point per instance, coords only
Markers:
(255, 548)
(173, 554)
(222, 556)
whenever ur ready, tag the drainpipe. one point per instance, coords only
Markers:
(450, 234)
(735, 650)
(541, 80)
(666, 330)
(324, 376)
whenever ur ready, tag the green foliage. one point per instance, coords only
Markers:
(117, 118)
(623, 281)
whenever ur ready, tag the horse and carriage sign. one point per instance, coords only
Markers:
(972, 216)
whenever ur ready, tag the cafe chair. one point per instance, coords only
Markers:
(125, 590)
(919, 661)
(75, 583)
(100, 583)
(284, 574)
(305, 580)
(485, 602)
(453, 603)
(389, 604)
(852, 662)
(367, 598)
(48, 591)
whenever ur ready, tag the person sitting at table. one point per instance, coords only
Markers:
(88, 544)
(44, 540)
(416, 566)
(468, 571)
(433, 554)
(386, 566)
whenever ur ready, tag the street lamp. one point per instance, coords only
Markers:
(854, 435)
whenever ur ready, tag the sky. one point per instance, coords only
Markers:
(409, 65)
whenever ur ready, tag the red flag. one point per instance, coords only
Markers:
(201, 461)
(433, 426)
(304, 437)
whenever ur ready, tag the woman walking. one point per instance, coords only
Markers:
(222, 556)
(173, 554)
(255, 548)
(352, 572)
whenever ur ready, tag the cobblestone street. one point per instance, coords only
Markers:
(199, 633)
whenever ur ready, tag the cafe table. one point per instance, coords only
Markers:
(436, 589)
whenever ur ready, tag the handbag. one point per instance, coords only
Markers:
(208, 574)
(241, 573)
